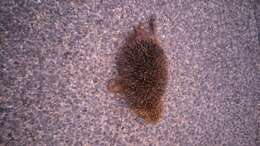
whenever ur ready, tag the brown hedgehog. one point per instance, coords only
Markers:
(142, 73)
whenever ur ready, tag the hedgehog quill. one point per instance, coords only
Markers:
(142, 73)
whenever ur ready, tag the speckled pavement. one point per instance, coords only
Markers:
(57, 56)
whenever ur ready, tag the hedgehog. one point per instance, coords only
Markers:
(142, 73)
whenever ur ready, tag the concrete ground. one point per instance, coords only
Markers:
(57, 56)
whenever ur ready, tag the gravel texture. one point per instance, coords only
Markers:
(57, 56)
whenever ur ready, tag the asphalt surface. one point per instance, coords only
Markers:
(57, 56)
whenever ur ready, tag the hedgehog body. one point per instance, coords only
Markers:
(142, 74)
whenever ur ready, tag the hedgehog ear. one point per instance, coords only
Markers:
(139, 28)
(114, 86)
